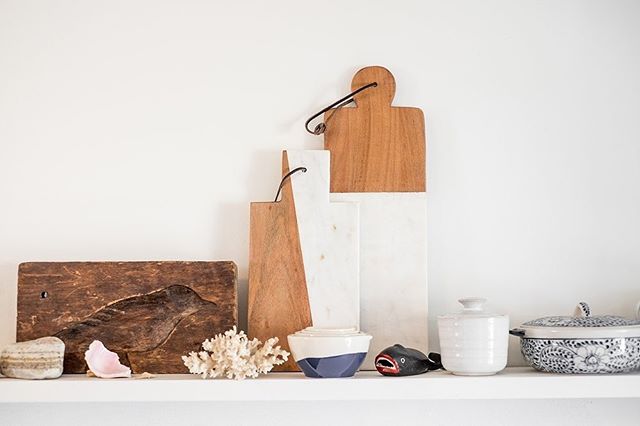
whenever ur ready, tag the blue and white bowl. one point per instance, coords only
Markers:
(581, 344)
(326, 353)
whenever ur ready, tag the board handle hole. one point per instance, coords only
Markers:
(44, 295)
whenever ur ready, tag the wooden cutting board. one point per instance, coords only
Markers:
(278, 302)
(150, 313)
(376, 147)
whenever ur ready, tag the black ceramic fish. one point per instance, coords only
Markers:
(397, 360)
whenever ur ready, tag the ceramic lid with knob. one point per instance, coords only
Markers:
(582, 325)
(472, 307)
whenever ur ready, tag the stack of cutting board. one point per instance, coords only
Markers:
(303, 262)
(370, 271)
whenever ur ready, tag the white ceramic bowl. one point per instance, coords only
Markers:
(329, 352)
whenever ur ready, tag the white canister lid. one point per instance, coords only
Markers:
(472, 307)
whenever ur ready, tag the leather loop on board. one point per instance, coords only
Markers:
(376, 147)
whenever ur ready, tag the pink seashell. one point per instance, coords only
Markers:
(104, 363)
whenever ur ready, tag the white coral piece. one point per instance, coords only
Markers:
(234, 356)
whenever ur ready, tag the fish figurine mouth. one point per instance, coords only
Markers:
(387, 365)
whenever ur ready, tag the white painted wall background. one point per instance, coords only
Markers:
(142, 129)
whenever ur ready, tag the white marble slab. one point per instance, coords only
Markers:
(329, 239)
(393, 269)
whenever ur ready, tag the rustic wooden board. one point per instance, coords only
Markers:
(278, 302)
(150, 313)
(376, 147)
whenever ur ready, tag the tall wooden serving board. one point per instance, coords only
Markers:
(278, 302)
(150, 313)
(378, 159)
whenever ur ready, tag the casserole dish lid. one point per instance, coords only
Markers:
(582, 325)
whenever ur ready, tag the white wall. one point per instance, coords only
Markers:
(142, 129)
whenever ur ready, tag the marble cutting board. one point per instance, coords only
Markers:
(329, 239)
(393, 269)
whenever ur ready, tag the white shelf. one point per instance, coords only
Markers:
(512, 383)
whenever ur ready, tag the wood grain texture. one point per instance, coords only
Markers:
(150, 313)
(374, 146)
(278, 298)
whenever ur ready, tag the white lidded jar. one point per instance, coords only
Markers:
(473, 342)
